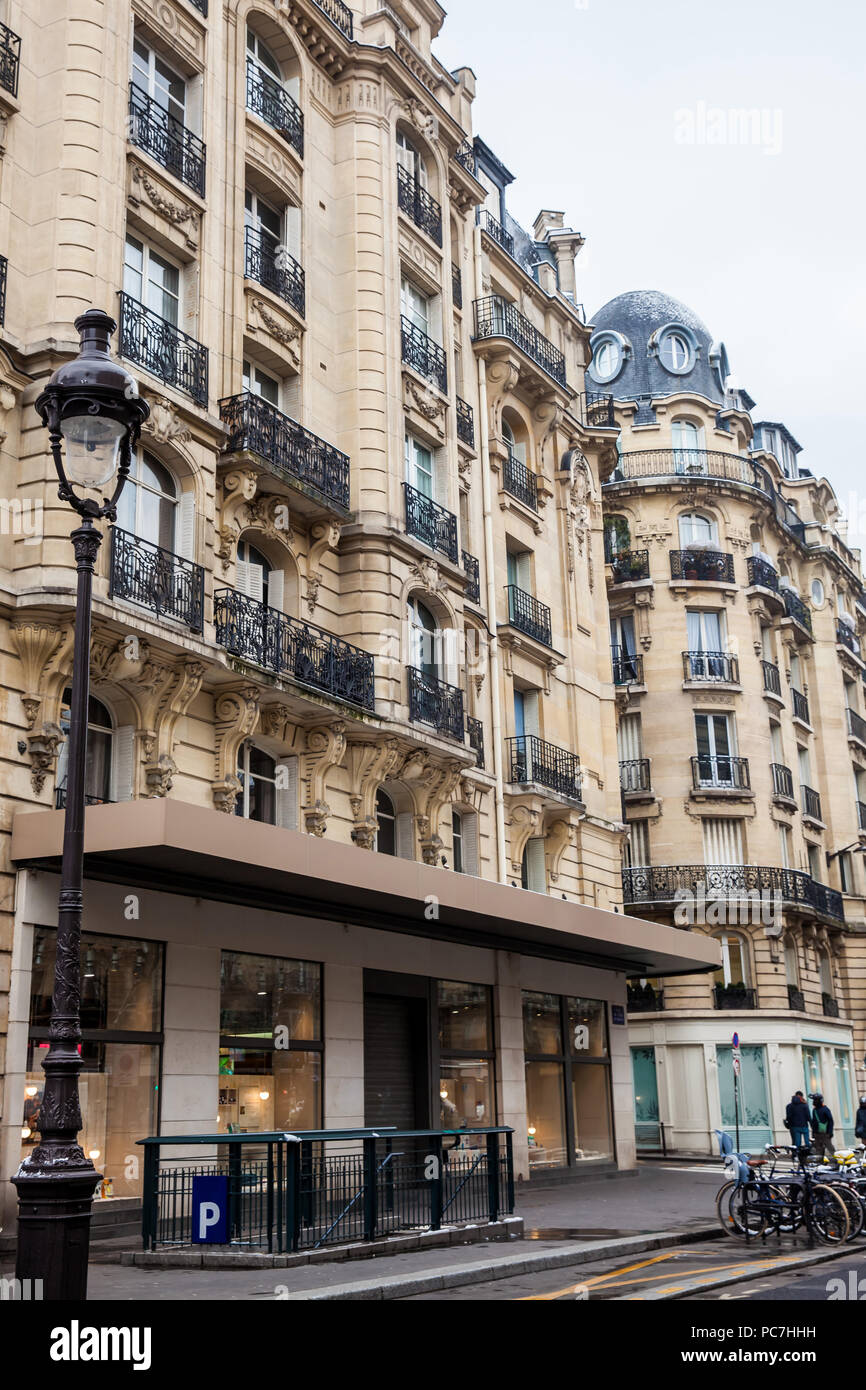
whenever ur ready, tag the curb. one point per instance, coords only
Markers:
(722, 1281)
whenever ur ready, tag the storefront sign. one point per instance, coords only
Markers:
(617, 1013)
(210, 1211)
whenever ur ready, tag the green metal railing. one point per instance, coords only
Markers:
(289, 1192)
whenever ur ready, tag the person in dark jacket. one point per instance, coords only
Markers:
(860, 1122)
(797, 1119)
(822, 1128)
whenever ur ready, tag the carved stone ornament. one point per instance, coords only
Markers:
(163, 424)
(425, 402)
(179, 214)
(43, 748)
(316, 818)
(227, 538)
(225, 794)
(159, 776)
(426, 572)
(422, 119)
(285, 332)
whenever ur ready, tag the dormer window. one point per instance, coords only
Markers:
(676, 352)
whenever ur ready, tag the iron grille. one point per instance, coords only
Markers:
(772, 680)
(796, 609)
(169, 585)
(4, 270)
(711, 666)
(465, 156)
(292, 452)
(810, 802)
(783, 781)
(475, 730)
(434, 702)
(629, 566)
(473, 577)
(830, 1006)
(339, 14)
(423, 355)
(272, 266)
(163, 349)
(520, 481)
(702, 565)
(856, 726)
(661, 884)
(598, 410)
(532, 759)
(627, 666)
(201, 6)
(277, 107)
(528, 614)
(796, 999)
(495, 317)
(288, 647)
(643, 999)
(496, 230)
(848, 637)
(465, 423)
(734, 997)
(800, 706)
(10, 57)
(89, 799)
(762, 572)
(456, 286)
(166, 139)
(430, 523)
(634, 775)
(416, 202)
(861, 815)
(725, 773)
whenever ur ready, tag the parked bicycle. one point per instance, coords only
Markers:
(757, 1201)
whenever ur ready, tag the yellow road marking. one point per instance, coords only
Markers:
(645, 1279)
(597, 1279)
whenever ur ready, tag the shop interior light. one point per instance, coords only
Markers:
(31, 1090)
(264, 1095)
(26, 1131)
(94, 1154)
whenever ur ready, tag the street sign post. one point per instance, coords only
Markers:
(736, 1060)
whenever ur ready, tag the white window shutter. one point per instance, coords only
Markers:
(123, 763)
(629, 738)
(242, 577)
(255, 582)
(405, 836)
(287, 794)
(723, 841)
(440, 477)
(536, 876)
(450, 637)
(523, 570)
(292, 222)
(530, 711)
(470, 843)
(276, 589)
(184, 541)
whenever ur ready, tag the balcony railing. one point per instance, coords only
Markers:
(4, 268)
(423, 355)
(277, 107)
(783, 781)
(529, 615)
(89, 799)
(703, 565)
(201, 6)
(669, 883)
(830, 1006)
(598, 410)
(531, 759)
(166, 140)
(856, 726)
(810, 802)
(800, 706)
(761, 572)
(162, 349)
(10, 57)
(634, 775)
(456, 286)
(725, 773)
(629, 566)
(734, 997)
(711, 666)
(167, 584)
(465, 156)
(861, 815)
(796, 999)
(465, 422)
(339, 14)
(495, 317)
(627, 667)
(288, 647)
(419, 207)
(270, 264)
(796, 609)
(292, 453)
(475, 732)
(644, 1000)
(846, 635)
(496, 230)
(434, 702)
(520, 481)
(473, 577)
(430, 523)
(772, 679)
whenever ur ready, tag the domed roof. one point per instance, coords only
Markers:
(638, 319)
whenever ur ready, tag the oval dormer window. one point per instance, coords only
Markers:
(675, 351)
(606, 360)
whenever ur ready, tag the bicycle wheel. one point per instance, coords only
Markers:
(746, 1217)
(853, 1206)
(828, 1217)
(723, 1197)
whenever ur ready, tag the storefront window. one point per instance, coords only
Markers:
(545, 1115)
(812, 1070)
(466, 1096)
(542, 1023)
(844, 1092)
(270, 1044)
(567, 1079)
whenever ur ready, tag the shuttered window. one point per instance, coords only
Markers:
(637, 850)
(629, 739)
(534, 875)
(723, 841)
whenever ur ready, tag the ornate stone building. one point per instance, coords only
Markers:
(737, 615)
(353, 769)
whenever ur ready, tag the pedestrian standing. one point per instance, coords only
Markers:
(860, 1122)
(797, 1120)
(822, 1128)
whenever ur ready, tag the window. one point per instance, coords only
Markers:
(805, 766)
(161, 83)
(697, 529)
(466, 1056)
(675, 352)
(148, 506)
(516, 447)
(826, 972)
(846, 872)
(464, 841)
(629, 738)
(411, 159)
(98, 769)
(266, 220)
(637, 849)
(533, 873)
(518, 567)
(258, 52)
(567, 1080)
(705, 629)
(817, 593)
(624, 648)
(792, 963)
(526, 712)
(415, 306)
(723, 840)
(423, 633)
(256, 577)
(776, 742)
(715, 741)
(257, 774)
(606, 359)
(152, 280)
(457, 841)
(816, 863)
(420, 472)
(785, 846)
(259, 383)
(386, 822)
(617, 537)
(688, 443)
(796, 673)
(735, 962)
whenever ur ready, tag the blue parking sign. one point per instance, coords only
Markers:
(210, 1211)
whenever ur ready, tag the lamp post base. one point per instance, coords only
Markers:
(54, 1212)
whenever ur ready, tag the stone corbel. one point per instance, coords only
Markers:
(40, 647)
(43, 748)
(525, 823)
(164, 425)
(370, 764)
(547, 416)
(326, 536)
(167, 699)
(550, 665)
(558, 837)
(433, 788)
(326, 748)
(503, 374)
(159, 775)
(236, 716)
(643, 602)
(431, 843)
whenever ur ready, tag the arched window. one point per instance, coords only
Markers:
(464, 841)
(410, 158)
(697, 529)
(792, 964)
(533, 874)
(675, 352)
(423, 639)
(386, 824)
(257, 774)
(259, 53)
(516, 447)
(687, 439)
(97, 773)
(148, 506)
(826, 972)
(735, 962)
(257, 578)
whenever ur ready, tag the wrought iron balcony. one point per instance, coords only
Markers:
(830, 1006)
(4, 269)
(670, 883)
(856, 727)
(465, 422)
(256, 633)
(520, 481)
(761, 572)
(495, 317)
(166, 139)
(644, 999)
(531, 759)
(89, 799)
(846, 635)
(634, 776)
(734, 997)
(496, 230)
(272, 266)
(423, 355)
(201, 6)
(627, 667)
(861, 815)
(167, 584)
(703, 565)
(598, 410)
(430, 523)
(635, 464)
(10, 58)
(465, 156)
(723, 774)
(456, 286)
(339, 14)
(800, 706)
(434, 702)
(163, 349)
(629, 566)
(277, 107)
(473, 577)
(772, 679)
(475, 731)
(796, 999)
(711, 666)
(796, 609)
(810, 802)
(529, 615)
(419, 207)
(291, 452)
(783, 781)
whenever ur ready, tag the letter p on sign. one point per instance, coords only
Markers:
(210, 1211)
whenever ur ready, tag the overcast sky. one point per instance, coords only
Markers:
(619, 113)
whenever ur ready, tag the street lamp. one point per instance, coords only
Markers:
(92, 406)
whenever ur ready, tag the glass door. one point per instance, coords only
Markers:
(754, 1105)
